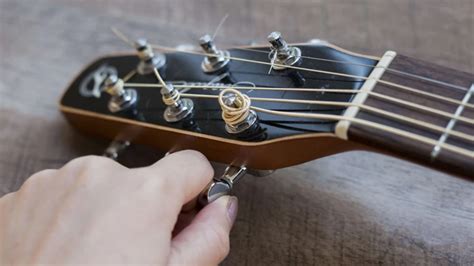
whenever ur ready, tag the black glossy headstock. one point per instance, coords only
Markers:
(183, 68)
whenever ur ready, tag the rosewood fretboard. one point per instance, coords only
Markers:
(409, 149)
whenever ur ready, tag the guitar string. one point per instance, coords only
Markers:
(343, 62)
(392, 84)
(375, 125)
(347, 91)
(334, 117)
(271, 64)
(355, 120)
(368, 66)
(129, 75)
(413, 105)
(124, 38)
(216, 31)
(439, 129)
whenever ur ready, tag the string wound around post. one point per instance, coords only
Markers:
(281, 54)
(216, 60)
(149, 60)
(236, 112)
(177, 109)
(122, 99)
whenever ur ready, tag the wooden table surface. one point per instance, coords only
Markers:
(354, 208)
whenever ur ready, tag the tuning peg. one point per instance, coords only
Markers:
(222, 185)
(115, 148)
(281, 53)
(148, 59)
(216, 60)
(122, 99)
(234, 100)
(240, 120)
(177, 108)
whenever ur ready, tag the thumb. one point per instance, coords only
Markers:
(206, 240)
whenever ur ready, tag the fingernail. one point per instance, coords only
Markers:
(232, 208)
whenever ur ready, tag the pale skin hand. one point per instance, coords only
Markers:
(95, 211)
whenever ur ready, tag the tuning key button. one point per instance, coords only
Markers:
(148, 59)
(215, 60)
(122, 99)
(282, 55)
(222, 185)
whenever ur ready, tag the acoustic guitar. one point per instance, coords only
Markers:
(277, 105)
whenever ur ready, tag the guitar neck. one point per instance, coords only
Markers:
(442, 127)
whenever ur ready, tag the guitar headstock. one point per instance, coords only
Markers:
(121, 96)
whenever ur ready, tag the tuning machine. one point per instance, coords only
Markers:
(216, 60)
(281, 53)
(115, 148)
(240, 120)
(222, 185)
(149, 60)
(247, 119)
(177, 109)
(122, 99)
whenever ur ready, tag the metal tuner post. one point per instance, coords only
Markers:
(281, 53)
(216, 60)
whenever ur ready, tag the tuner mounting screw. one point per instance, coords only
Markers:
(282, 54)
(216, 60)
(148, 59)
(122, 99)
(177, 108)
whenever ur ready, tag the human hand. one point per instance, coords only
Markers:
(96, 211)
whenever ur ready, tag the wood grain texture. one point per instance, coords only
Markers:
(262, 156)
(416, 151)
(350, 209)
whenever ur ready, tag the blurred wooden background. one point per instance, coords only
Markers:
(354, 208)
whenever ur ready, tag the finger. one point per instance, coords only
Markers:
(186, 173)
(206, 240)
(184, 219)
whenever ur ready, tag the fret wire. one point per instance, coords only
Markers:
(375, 125)
(124, 38)
(362, 106)
(336, 117)
(449, 127)
(389, 129)
(421, 107)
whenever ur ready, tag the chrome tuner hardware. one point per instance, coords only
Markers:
(246, 124)
(281, 53)
(115, 148)
(122, 99)
(217, 60)
(248, 120)
(221, 186)
(177, 108)
(148, 59)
